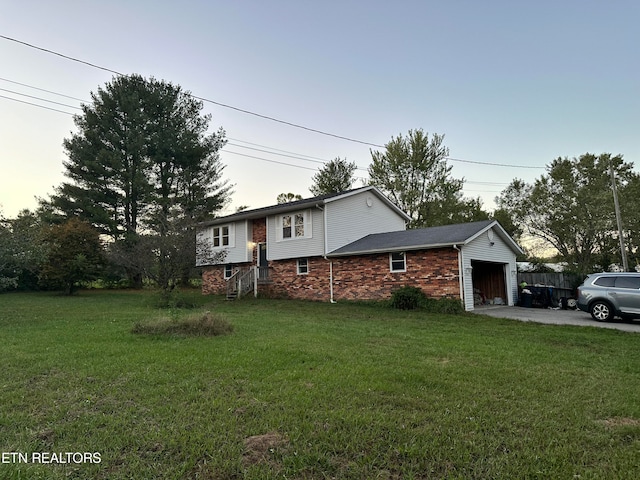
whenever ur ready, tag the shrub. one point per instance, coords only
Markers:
(443, 305)
(412, 298)
(408, 298)
(205, 324)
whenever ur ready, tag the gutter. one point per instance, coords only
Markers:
(394, 249)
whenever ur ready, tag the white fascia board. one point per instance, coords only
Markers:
(394, 249)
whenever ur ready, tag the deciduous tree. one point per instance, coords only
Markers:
(335, 176)
(571, 208)
(413, 172)
(21, 251)
(288, 197)
(74, 254)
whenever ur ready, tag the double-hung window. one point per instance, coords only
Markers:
(295, 225)
(222, 236)
(397, 262)
(228, 271)
(303, 266)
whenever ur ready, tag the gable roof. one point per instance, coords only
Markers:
(301, 204)
(424, 238)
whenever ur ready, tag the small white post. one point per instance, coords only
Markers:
(255, 281)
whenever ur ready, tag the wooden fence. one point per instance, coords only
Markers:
(565, 283)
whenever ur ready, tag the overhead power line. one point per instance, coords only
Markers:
(271, 151)
(60, 54)
(492, 164)
(241, 146)
(271, 161)
(284, 122)
(276, 149)
(43, 90)
(220, 104)
(248, 112)
(36, 105)
(38, 98)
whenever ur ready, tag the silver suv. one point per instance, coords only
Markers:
(605, 295)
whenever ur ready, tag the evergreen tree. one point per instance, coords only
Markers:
(142, 160)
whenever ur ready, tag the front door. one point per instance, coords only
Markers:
(263, 264)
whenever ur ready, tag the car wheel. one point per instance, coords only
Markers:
(601, 311)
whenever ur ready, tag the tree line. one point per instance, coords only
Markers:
(142, 170)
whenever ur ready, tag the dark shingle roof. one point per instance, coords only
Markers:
(431, 237)
(292, 206)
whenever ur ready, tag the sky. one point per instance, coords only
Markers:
(511, 85)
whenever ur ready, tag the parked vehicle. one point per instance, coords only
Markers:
(609, 295)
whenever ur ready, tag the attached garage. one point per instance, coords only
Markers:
(488, 264)
(489, 281)
(485, 269)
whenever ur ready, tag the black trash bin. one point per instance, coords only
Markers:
(525, 300)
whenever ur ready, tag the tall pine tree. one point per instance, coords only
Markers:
(142, 160)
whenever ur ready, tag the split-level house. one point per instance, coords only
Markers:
(354, 245)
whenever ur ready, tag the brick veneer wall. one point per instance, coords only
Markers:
(369, 277)
(362, 277)
(310, 286)
(259, 235)
(213, 282)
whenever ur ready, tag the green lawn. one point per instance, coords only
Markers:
(311, 390)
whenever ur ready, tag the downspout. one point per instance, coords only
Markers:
(324, 221)
(460, 272)
(331, 281)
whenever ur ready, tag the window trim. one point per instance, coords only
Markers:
(304, 215)
(230, 236)
(392, 261)
(302, 268)
(228, 271)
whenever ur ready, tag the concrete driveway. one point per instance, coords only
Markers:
(555, 317)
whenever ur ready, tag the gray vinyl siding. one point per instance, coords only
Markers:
(239, 251)
(351, 218)
(481, 249)
(310, 246)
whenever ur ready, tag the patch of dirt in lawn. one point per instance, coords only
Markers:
(258, 448)
(620, 422)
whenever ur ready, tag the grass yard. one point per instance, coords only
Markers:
(310, 390)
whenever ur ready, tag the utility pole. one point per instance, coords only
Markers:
(623, 250)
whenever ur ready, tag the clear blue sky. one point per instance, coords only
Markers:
(507, 82)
